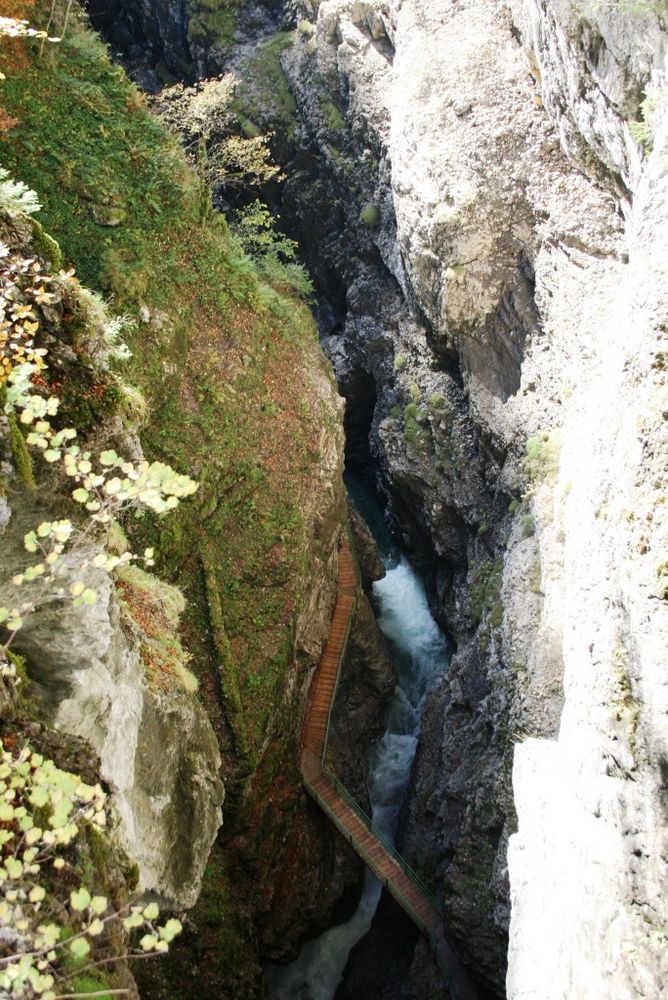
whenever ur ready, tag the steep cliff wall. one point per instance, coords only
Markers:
(479, 190)
(239, 394)
(591, 848)
(474, 200)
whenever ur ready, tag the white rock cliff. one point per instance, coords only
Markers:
(523, 216)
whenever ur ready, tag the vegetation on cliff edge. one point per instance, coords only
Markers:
(227, 362)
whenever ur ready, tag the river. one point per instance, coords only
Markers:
(420, 652)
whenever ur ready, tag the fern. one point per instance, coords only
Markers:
(15, 196)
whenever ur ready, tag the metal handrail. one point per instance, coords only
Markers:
(369, 861)
(385, 841)
(442, 968)
(368, 822)
(344, 646)
(342, 656)
(356, 558)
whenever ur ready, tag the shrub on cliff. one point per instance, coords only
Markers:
(54, 930)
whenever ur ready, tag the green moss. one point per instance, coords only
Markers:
(370, 216)
(212, 22)
(92, 983)
(155, 608)
(266, 97)
(20, 454)
(541, 461)
(496, 614)
(415, 392)
(520, 670)
(24, 705)
(399, 363)
(527, 525)
(625, 706)
(117, 540)
(535, 576)
(250, 129)
(335, 121)
(227, 667)
(306, 28)
(218, 936)
(45, 246)
(87, 401)
(662, 578)
(417, 432)
(485, 593)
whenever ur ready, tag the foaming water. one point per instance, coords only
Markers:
(420, 652)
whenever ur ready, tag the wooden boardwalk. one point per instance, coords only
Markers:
(375, 855)
(383, 861)
(323, 686)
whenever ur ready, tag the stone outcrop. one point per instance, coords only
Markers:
(594, 64)
(156, 747)
(85, 666)
(365, 687)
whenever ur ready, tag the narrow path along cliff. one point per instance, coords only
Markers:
(377, 853)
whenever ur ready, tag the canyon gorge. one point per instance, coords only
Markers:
(424, 241)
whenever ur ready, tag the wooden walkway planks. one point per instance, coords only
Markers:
(386, 868)
(350, 824)
(323, 686)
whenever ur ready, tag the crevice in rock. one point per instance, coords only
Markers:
(359, 390)
(152, 41)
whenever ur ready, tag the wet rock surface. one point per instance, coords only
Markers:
(365, 687)
(377, 968)
(370, 563)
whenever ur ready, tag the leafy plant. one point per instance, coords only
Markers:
(203, 117)
(642, 130)
(255, 228)
(256, 232)
(105, 486)
(47, 923)
(16, 196)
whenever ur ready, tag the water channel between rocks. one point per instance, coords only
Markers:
(420, 652)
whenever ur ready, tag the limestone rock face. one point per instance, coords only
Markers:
(499, 228)
(593, 64)
(593, 800)
(371, 565)
(157, 750)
